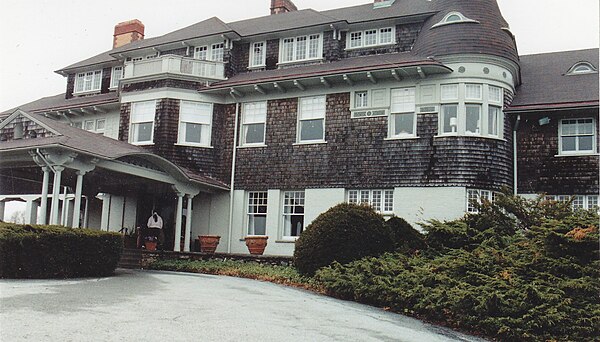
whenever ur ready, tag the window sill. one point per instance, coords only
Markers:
(81, 93)
(309, 143)
(257, 67)
(300, 61)
(590, 154)
(142, 143)
(290, 240)
(370, 46)
(193, 145)
(252, 146)
(411, 137)
(469, 136)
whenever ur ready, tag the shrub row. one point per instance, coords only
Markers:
(518, 271)
(57, 252)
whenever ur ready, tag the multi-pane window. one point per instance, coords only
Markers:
(371, 37)
(300, 48)
(195, 123)
(361, 99)
(311, 119)
(471, 109)
(587, 202)
(380, 200)
(577, 136)
(142, 122)
(214, 53)
(293, 213)
(95, 125)
(88, 81)
(257, 213)
(477, 197)
(116, 75)
(257, 54)
(254, 116)
(402, 112)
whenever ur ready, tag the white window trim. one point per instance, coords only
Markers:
(242, 142)
(95, 123)
(284, 237)
(462, 103)
(590, 66)
(294, 60)
(209, 51)
(299, 128)
(370, 201)
(463, 19)
(391, 122)
(112, 76)
(143, 143)
(251, 56)
(578, 153)
(246, 228)
(363, 45)
(471, 209)
(91, 91)
(181, 130)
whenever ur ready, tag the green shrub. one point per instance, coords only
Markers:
(535, 280)
(405, 238)
(344, 233)
(57, 252)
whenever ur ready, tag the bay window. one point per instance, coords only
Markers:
(257, 213)
(293, 213)
(142, 122)
(402, 113)
(195, 120)
(254, 116)
(311, 119)
(88, 81)
(301, 48)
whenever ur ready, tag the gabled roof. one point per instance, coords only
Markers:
(546, 83)
(94, 145)
(366, 12)
(102, 58)
(58, 102)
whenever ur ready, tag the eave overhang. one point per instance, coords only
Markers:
(552, 107)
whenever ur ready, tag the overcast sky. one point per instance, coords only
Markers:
(40, 36)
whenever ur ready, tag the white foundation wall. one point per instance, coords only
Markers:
(419, 204)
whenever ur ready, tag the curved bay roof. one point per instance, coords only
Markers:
(546, 84)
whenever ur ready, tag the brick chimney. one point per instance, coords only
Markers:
(127, 32)
(282, 6)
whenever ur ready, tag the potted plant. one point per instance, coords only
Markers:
(256, 244)
(209, 243)
(150, 242)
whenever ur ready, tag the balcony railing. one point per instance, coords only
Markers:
(177, 65)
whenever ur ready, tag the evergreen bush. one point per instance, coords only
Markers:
(519, 270)
(28, 251)
(405, 238)
(343, 233)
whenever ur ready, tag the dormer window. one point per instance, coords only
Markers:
(582, 68)
(454, 18)
(258, 54)
(88, 81)
(371, 37)
(301, 48)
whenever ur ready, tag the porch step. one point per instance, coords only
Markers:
(131, 258)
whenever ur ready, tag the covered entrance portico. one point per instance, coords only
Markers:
(81, 179)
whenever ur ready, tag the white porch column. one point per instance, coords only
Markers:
(44, 200)
(65, 209)
(55, 194)
(2, 206)
(178, 213)
(30, 212)
(188, 224)
(77, 204)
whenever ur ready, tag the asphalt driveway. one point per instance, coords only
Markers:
(168, 306)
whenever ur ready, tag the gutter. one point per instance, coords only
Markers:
(515, 173)
(231, 191)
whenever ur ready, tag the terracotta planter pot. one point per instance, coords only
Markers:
(208, 243)
(256, 244)
(150, 245)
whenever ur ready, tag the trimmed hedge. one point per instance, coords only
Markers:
(406, 239)
(343, 233)
(28, 251)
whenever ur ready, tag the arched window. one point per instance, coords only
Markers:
(582, 68)
(454, 18)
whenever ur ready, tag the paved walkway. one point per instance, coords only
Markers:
(167, 306)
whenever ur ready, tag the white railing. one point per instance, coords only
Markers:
(175, 65)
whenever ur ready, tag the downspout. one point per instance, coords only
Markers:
(515, 173)
(231, 191)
